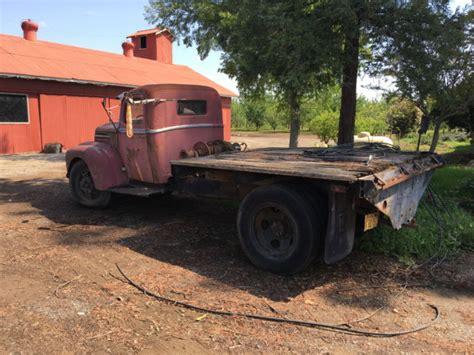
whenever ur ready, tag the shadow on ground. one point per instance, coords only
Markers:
(35, 157)
(195, 234)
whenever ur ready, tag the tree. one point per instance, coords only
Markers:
(255, 111)
(429, 56)
(282, 47)
(358, 21)
(325, 125)
(371, 116)
(402, 116)
(238, 119)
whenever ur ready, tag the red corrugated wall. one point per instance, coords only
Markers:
(70, 120)
(22, 137)
(59, 113)
(65, 113)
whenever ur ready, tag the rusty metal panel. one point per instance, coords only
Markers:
(398, 202)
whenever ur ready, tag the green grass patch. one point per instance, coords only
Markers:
(455, 186)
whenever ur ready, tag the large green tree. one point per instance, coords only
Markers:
(283, 47)
(426, 49)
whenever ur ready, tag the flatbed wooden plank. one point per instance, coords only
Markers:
(347, 167)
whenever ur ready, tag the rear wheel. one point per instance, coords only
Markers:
(279, 229)
(83, 189)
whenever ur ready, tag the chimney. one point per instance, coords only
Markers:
(128, 49)
(155, 44)
(29, 30)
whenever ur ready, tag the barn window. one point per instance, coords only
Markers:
(13, 108)
(192, 107)
(142, 42)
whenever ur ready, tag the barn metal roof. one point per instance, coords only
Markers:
(150, 31)
(53, 61)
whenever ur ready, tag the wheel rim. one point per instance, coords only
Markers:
(86, 186)
(275, 232)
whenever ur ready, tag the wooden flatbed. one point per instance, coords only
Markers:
(330, 164)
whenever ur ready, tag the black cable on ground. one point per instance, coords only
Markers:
(329, 327)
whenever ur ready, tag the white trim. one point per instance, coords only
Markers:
(27, 107)
(172, 128)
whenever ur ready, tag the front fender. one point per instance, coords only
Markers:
(103, 161)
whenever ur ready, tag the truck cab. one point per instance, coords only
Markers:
(157, 123)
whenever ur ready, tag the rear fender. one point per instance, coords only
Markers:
(103, 161)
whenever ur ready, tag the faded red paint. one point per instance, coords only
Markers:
(22, 137)
(61, 62)
(58, 112)
(128, 48)
(66, 84)
(29, 30)
(159, 45)
(103, 161)
(148, 157)
(226, 116)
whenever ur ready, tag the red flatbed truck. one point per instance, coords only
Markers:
(296, 204)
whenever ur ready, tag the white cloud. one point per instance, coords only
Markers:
(42, 24)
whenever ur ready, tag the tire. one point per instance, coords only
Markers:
(279, 229)
(83, 190)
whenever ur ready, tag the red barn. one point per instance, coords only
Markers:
(52, 93)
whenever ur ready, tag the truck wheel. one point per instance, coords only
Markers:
(83, 190)
(279, 229)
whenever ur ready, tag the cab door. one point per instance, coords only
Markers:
(134, 150)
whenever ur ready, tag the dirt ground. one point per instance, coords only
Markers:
(262, 140)
(60, 290)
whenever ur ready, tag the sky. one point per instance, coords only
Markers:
(105, 24)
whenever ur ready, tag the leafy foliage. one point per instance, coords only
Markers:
(325, 125)
(428, 55)
(268, 46)
(403, 116)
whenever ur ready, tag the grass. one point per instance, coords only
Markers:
(455, 186)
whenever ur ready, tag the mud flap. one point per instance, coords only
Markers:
(341, 224)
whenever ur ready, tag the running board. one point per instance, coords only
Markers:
(137, 190)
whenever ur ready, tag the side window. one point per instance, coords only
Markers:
(192, 107)
(14, 108)
(142, 42)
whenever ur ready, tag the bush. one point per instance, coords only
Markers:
(454, 136)
(402, 116)
(371, 117)
(325, 126)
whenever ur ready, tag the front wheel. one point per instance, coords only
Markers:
(279, 229)
(83, 189)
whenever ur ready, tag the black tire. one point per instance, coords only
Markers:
(83, 189)
(279, 229)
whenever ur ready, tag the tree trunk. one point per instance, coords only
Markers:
(434, 141)
(294, 103)
(349, 88)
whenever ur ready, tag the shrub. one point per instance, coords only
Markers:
(454, 136)
(402, 116)
(325, 125)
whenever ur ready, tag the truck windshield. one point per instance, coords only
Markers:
(191, 107)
